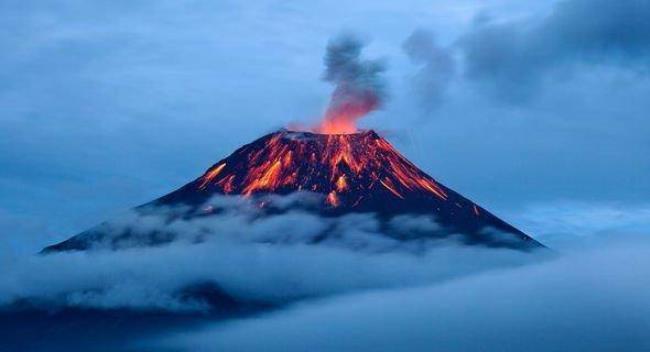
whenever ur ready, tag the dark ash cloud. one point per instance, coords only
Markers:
(437, 68)
(513, 58)
(359, 87)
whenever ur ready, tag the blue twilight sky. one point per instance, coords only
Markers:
(537, 110)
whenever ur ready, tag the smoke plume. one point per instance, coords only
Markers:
(359, 87)
(512, 59)
(436, 68)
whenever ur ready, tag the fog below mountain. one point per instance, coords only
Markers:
(331, 297)
(592, 301)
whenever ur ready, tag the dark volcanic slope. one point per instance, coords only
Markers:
(359, 172)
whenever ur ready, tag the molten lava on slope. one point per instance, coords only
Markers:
(350, 173)
(344, 166)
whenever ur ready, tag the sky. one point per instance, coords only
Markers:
(536, 110)
(519, 105)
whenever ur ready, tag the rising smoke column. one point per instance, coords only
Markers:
(358, 85)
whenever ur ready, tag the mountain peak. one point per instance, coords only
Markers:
(351, 173)
(344, 167)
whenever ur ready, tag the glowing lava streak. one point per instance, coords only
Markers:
(211, 175)
(268, 180)
(332, 199)
(341, 167)
(341, 185)
(390, 187)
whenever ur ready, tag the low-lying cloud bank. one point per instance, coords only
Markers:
(593, 301)
(153, 278)
(361, 290)
(273, 219)
(260, 261)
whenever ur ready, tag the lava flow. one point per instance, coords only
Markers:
(340, 174)
(343, 167)
(355, 172)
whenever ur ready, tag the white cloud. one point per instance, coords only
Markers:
(594, 301)
(153, 278)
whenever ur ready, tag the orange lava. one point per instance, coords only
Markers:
(389, 186)
(341, 185)
(332, 199)
(339, 166)
(341, 117)
(337, 126)
(211, 175)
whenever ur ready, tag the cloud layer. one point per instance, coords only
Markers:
(595, 301)
(513, 57)
(437, 68)
(148, 260)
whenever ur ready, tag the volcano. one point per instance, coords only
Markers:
(357, 173)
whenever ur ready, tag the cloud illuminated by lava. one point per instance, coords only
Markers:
(359, 86)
